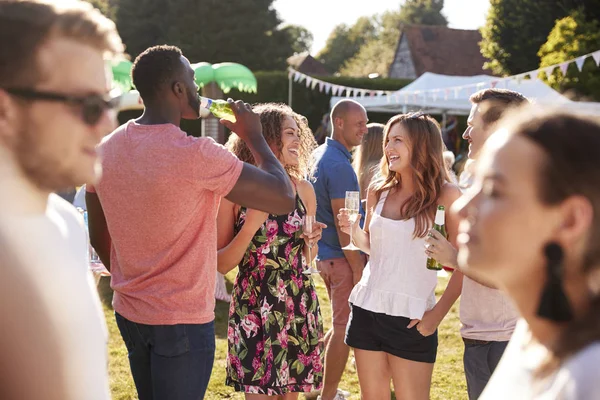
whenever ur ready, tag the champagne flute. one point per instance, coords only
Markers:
(307, 227)
(352, 206)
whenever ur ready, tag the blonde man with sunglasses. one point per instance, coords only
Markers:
(54, 110)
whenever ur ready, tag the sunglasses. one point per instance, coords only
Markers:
(92, 106)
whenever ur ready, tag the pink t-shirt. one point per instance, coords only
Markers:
(160, 192)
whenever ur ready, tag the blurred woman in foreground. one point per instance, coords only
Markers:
(531, 225)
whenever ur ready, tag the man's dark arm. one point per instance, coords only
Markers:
(267, 186)
(99, 236)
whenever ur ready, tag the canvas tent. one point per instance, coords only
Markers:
(446, 94)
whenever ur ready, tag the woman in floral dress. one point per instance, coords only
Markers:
(275, 328)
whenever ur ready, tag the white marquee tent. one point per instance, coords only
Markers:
(446, 94)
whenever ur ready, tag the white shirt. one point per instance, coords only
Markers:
(79, 200)
(576, 379)
(52, 249)
(396, 280)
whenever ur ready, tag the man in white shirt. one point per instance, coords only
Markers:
(487, 315)
(54, 110)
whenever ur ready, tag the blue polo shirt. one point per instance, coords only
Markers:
(333, 176)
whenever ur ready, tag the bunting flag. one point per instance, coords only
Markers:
(339, 90)
(596, 57)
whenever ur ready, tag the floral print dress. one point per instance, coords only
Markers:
(275, 329)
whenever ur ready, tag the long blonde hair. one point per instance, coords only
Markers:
(271, 118)
(368, 155)
(428, 170)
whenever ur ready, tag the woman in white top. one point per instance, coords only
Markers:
(532, 226)
(394, 320)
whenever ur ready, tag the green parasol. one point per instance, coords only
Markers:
(227, 75)
(122, 75)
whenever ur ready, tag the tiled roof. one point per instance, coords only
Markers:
(306, 64)
(444, 50)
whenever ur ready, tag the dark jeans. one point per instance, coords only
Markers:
(480, 360)
(171, 362)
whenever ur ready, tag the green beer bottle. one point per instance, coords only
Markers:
(440, 226)
(218, 108)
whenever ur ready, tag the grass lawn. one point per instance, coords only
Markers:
(448, 377)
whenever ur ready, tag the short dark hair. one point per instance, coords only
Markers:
(500, 95)
(26, 24)
(155, 67)
(496, 102)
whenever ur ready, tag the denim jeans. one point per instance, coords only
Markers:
(480, 361)
(171, 362)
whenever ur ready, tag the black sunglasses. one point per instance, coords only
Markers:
(92, 106)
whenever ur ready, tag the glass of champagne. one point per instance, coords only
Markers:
(352, 206)
(307, 227)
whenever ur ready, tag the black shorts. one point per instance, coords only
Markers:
(380, 332)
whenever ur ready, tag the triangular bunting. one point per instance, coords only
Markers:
(563, 68)
(493, 84)
(308, 81)
(579, 62)
(327, 88)
(297, 76)
(596, 56)
(321, 84)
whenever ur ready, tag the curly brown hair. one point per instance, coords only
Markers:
(271, 118)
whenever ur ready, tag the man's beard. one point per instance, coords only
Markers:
(194, 102)
(38, 164)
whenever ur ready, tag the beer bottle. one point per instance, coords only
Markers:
(440, 226)
(218, 108)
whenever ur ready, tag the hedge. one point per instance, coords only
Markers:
(273, 87)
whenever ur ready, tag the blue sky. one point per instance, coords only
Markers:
(321, 16)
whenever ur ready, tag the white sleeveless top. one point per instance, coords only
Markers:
(395, 281)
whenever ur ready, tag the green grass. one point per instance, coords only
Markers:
(448, 377)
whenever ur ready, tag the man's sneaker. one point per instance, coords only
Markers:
(340, 395)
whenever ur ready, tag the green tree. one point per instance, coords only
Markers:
(300, 38)
(376, 55)
(344, 42)
(423, 12)
(207, 30)
(515, 30)
(573, 36)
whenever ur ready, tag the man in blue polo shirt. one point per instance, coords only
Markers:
(340, 269)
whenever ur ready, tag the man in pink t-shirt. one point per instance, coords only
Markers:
(152, 221)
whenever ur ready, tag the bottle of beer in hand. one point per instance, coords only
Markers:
(440, 226)
(218, 108)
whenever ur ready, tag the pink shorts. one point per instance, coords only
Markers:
(337, 275)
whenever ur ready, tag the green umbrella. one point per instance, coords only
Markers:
(122, 75)
(227, 75)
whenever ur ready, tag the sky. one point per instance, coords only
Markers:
(321, 16)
